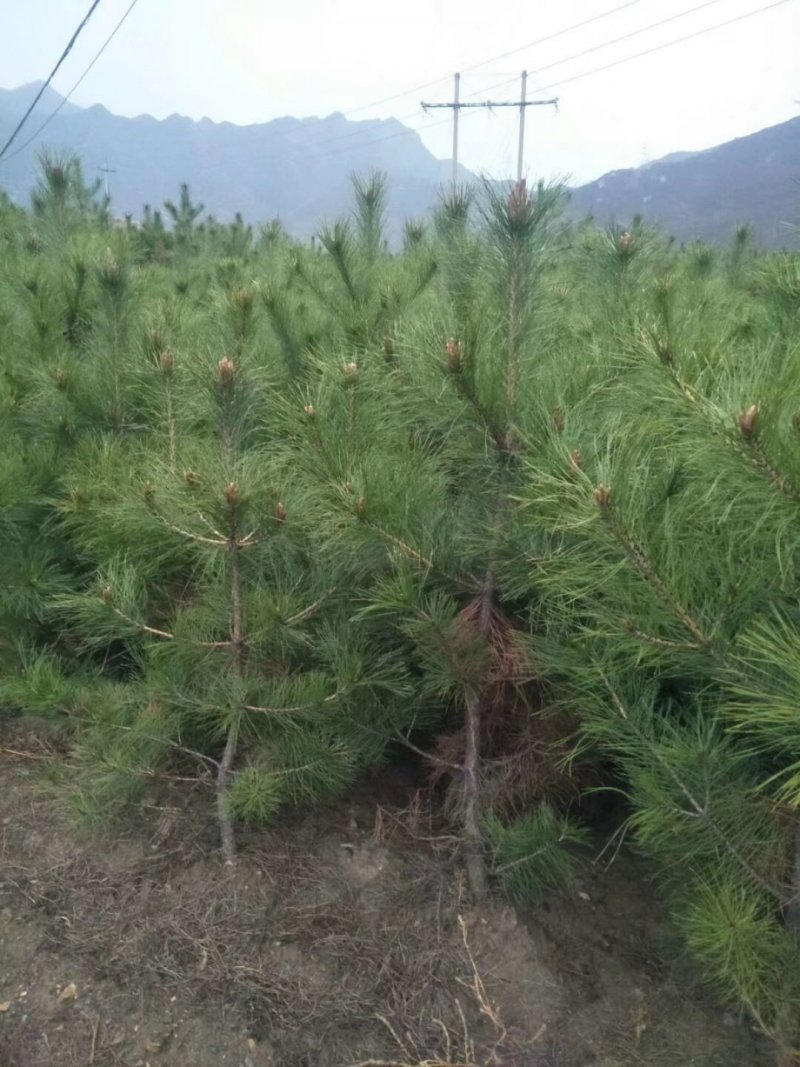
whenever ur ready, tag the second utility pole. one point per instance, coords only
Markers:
(523, 100)
(456, 109)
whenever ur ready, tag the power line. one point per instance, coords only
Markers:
(567, 59)
(669, 44)
(607, 66)
(502, 55)
(553, 36)
(624, 37)
(395, 96)
(64, 99)
(457, 105)
(53, 72)
(638, 55)
(608, 44)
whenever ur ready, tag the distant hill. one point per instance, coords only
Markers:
(753, 179)
(294, 169)
(298, 170)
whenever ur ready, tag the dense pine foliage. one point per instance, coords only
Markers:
(525, 496)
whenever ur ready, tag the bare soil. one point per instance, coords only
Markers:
(342, 937)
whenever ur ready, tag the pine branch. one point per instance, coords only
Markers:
(700, 811)
(311, 610)
(753, 450)
(638, 558)
(746, 443)
(661, 642)
(293, 709)
(405, 548)
(217, 533)
(464, 389)
(165, 634)
(143, 626)
(220, 542)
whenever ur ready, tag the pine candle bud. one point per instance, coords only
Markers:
(154, 340)
(310, 410)
(575, 460)
(517, 203)
(242, 300)
(280, 512)
(107, 594)
(149, 492)
(454, 352)
(192, 481)
(110, 272)
(348, 487)
(361, 507)
(602, 497)
(512, 445)
(60, 378)
(232, 494)
(664, 349)
(225, 367)
(748, 420)
(166, 363)
(625, 243)
(388, 349)
(558, 420)
(350, 371)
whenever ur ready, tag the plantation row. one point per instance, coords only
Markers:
(525, 496)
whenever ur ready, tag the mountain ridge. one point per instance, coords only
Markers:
(705, 194)
(297, 169)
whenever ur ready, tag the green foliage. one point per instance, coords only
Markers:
(743, 949)
(525, 494)
(535, 853)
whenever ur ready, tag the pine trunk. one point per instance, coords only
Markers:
(787, 1029)
(223, 804)
(473, 836)
(237, 652)
(473, 831)
(793, 906)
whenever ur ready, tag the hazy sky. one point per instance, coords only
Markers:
(249, 61)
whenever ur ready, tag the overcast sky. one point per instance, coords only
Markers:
(249, 61)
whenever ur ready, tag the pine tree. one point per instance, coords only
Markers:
(668, 502)
(419, 458)
(183, 214)
(523, 498)
(199, 621)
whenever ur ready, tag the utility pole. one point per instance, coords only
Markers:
(456, 109)
(523, 98)
(523, 104)
(106, 170)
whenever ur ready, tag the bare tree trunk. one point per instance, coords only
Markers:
(787, 1026)
(473, 834)
(223, 802)
(237, 653)
(473, 830)
(792, 911)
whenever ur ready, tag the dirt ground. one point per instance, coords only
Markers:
(343, 937)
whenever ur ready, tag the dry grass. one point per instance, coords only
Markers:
(310, 939)
(336, 941)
